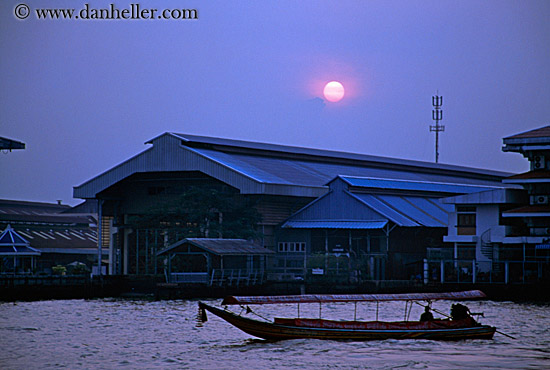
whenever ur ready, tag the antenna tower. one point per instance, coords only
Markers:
(437, 115)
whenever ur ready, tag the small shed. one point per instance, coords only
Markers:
(215, 261)
(16, 252)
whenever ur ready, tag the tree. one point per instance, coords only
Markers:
(203, 212)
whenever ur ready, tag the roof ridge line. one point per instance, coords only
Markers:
(222, 164)
(421, 181)
(316, 152)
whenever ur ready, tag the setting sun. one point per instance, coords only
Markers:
(334, 91)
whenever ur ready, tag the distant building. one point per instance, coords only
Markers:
(503, 235)
(59, 236)
(279, 180)
(535, 146)
(367, 229)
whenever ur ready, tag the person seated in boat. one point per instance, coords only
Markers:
(426, 315)
(462, 312)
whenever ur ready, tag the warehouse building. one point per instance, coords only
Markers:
(277, 181)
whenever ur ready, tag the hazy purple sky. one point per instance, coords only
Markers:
(86, 95)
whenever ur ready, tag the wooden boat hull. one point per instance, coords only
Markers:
(274, 331)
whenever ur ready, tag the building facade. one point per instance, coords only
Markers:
(276, 180)
(61, 234)
(367, 229)
(503, 235)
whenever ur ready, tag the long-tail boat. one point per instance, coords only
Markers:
(460, 325)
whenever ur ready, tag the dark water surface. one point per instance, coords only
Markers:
(133, 334)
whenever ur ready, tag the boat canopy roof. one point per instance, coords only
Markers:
(318, 298)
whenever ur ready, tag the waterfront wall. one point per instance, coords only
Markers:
(14, 288)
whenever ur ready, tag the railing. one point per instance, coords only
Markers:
(473, 271)
(8, 281)
(190, 277)
(333, 267)
(298, 264)
(236, 277)
(219, 277)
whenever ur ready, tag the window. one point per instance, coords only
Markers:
(292, 247)
(466, 220)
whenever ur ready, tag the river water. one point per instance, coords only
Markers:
(136, 334)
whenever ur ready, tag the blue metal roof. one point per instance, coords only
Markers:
(335, 224)
(259, 168)
(297, 171)
(420, 209)
(410, 185)
(384, 209)
(409, 211)
(274, 148)
(343, 209)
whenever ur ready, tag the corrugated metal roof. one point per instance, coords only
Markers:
(43, 227)
(409, 211)
(258, 168)
(60, 239)
(384, 209)
(267, 147)
(499, 196)
(297, 171)
(420, 209)
(19, 206)
(335, 224)
(425, 186)
(6, 216)
(222, 246)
